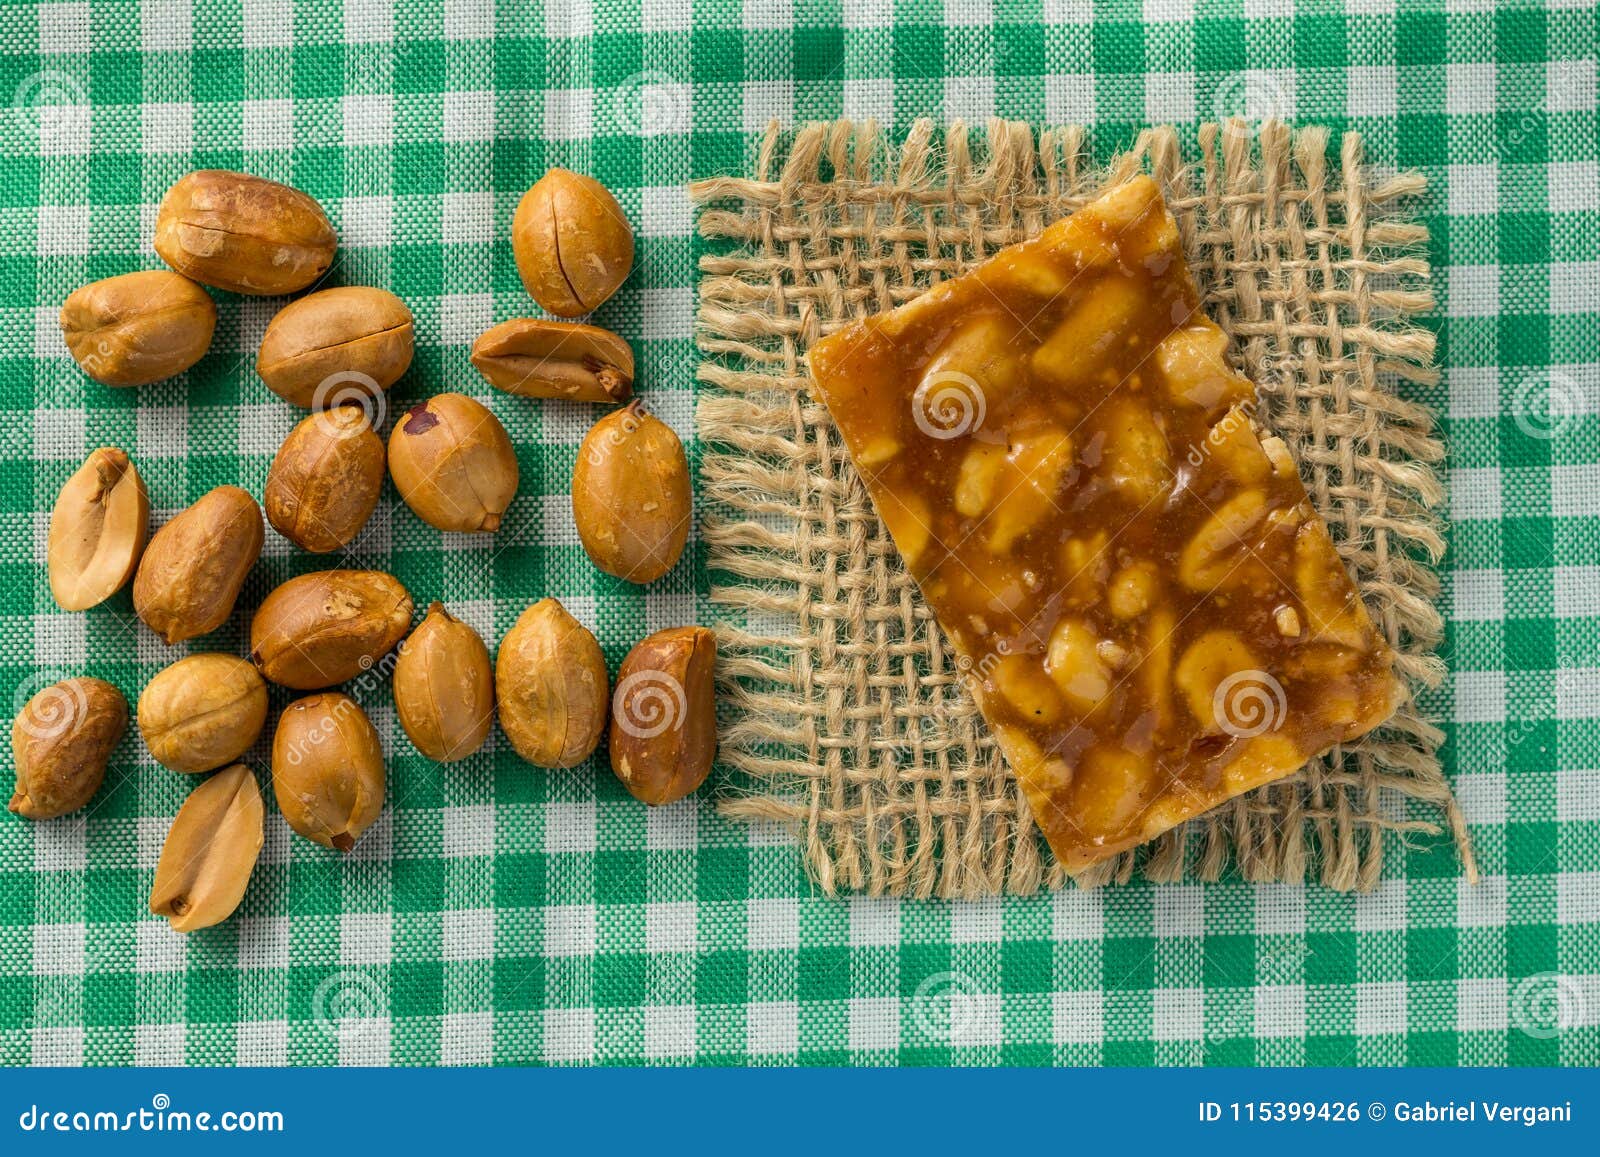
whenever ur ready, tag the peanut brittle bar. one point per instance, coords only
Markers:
(1148, 610)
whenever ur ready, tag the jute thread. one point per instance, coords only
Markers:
(844, 705)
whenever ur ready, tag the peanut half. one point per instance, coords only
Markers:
(664, 715)
(210, 851)
(537, 358)
(98, 530)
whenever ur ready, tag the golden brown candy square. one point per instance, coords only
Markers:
(1147, 608)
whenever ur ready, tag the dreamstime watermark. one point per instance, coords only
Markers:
(48, 704)
(1568, 84)
(351, 388)
(158, 1117)
(1249, 703)
(1251, 97)
(1547, 403)
(373, 676)
(1240, 417)
(948, 405)
(1546, 1004)
(946, 1007)
(50, 103)
(346, 1004)
(649, 703)
(597, 449)
(652, 104)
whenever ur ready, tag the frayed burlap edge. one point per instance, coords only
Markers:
(844, 702)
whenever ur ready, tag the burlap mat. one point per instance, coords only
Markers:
(844, 705)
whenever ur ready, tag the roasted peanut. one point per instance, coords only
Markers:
(325, 479)
(336, 345)
(664, 715)
(98, 530)
(195, 565)
(202, 712)
(537, 358)
(328, 626)
(327, 769)
(1212, 558)
(631, 499)
(1193, 363)
(550, 687)
(1206, 662)
(243, 233)
(572, 243)
(210, 851)
(62, 740)
(453, 464)
(1079, 665)
(444, 688)
(138, 328)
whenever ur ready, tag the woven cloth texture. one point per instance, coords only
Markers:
(894, 783)
(502, 915)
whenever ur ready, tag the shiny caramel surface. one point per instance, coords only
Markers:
(1147, 608)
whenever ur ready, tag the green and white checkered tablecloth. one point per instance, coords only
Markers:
(502, 914)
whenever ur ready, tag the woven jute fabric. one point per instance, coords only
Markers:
(846, 706)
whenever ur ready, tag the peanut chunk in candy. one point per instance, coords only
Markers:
(1152, 613)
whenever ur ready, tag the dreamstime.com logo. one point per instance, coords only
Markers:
(158, 1117)
(1249, 703)
(648, 704)
(949, 404)
(1546, 1004)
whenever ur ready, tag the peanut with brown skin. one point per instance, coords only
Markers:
(98, 530)
(328, 626)
(325, 480)
(631, 499)
(327, 769)
(444, 688)
(243, 233)
(572, 243)
(340, 342)
(138, 328)
(195, 566)
(664, 715)
(202, 712)
(62, 740)
(210, 851)
(550, 687)
(453, 464)
(534, 357)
